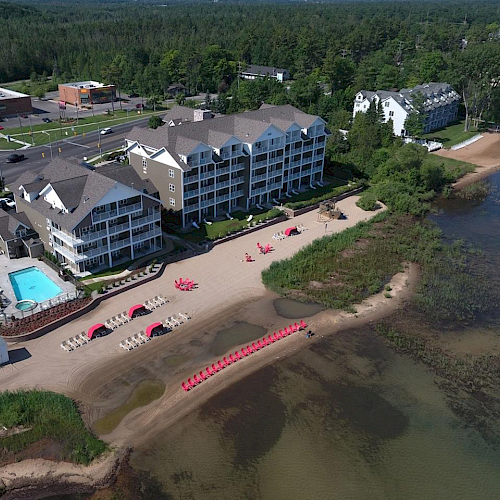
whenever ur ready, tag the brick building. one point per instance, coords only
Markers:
(12, 103)
(84, 93)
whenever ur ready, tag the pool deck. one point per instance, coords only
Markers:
(12, 265)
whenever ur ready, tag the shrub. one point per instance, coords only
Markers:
(367, 201)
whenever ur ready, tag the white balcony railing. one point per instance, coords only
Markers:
(237, 180)
(276, 159)
(237, 167)
(98, 216)
(191, 178)
(296, 151)
(127, 209)
(221, 185)
(307, 148)
(257, 164)
(119, 228)
(191, 208)
(207, 203)
(261, 177)
(146, 235)
(222, 198)
(223, 170)
(155, 217)
(207, 189)
(190, 194)
(119, 244)
(237, 194)
(207, 175)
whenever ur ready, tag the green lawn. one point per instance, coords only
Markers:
(55, 131)
(224, 227)
(451, 135)
(109, 272)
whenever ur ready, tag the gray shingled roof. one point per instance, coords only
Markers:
(89, 188)
(126, 174)
(9, 222)
(255, 69)
(247, 127)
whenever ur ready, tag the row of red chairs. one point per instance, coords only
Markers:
(226, 361)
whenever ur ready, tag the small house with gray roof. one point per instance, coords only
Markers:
(91, 218)
(209, 168)
(439, 103)
(17, 236)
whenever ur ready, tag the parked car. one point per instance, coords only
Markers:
(139, 106)
(14, 158)
(7, 203)
(106, 131)
(1, 128)
(46, 120)
(24, 116)
(131, 96)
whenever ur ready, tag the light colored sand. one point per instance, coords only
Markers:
(226, 286)
(485, 153)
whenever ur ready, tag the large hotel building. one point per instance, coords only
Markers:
(206, 166)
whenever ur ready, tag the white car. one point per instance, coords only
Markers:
(106, 131)
(10, 203)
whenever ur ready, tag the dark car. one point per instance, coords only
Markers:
(131, 96)
(24, 116)
(46, 120)
(139, 106)
(14, 158)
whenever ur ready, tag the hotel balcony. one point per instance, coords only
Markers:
(257, 178)
(119, 228)
(146, 235)
(191, 194)
(146, 220)
(115, 245)
(191, 208)
(237, 167)
(84, 255)
(207, 175)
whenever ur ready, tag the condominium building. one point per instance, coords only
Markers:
(91, 219)
(208, 168)
(439, 105)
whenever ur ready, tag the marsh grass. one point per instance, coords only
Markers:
(49, 415)
(356, 263)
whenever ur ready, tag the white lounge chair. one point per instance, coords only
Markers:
(312, 187)
(143, 336)
(109, 324)
(229, 216)
(129, 341)
(288, 195)
(207, 222)
(123, 345)
(185, 316)
(73, 342)
(195, 225)
(138, 338)
(294, 192)
(249, 218)
(170, 322)
(82, 338)
(66, 347)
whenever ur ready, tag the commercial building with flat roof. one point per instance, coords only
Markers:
(12, 103)
(84, 93)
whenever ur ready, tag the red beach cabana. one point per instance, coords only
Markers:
(135, 309)
(291, 230)
(93, 330)
(150, 328)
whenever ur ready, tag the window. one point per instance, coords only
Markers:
(171, 187)
(358, 105)
(144, 163)
(386, 104)
(170, 172)
(391, 113)
(172, 202)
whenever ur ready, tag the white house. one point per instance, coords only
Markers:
(440, 105)
(254, 71)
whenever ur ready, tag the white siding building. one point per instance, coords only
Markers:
(440, 105)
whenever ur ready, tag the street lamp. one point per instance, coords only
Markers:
(20, 126)
(50, 142)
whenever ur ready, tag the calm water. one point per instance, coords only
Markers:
(346, 418)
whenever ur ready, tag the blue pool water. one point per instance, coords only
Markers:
(31, 283)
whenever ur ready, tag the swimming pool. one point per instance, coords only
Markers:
(31, 283)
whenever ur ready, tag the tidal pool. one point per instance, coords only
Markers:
(293, 309)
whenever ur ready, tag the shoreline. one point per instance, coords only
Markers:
(477, 175)
(38, 478)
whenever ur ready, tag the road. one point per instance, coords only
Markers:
(77, 147)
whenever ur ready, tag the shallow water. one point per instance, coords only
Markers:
(145, 392)
(239, 332)
(293, 309)
(345, 418)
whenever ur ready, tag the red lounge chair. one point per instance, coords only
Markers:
(276, 336)
(286, 331)
(249, 349)
(291, 328)
(196, 379)
(181, 282)
(215, 368)
(226, 361)
(203, 376)
(232, 358)
(270, 339)
(191, 383)
(255, 348)
(209, 372)
(281, 334)
(297, 326)
(221, 364)
(238, 355)
(260, 344)
(303, 324)
(243, 351)
(184, 386)
(265, 341)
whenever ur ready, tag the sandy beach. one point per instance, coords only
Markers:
(485, 153)
(100, 375)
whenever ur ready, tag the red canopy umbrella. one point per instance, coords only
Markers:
(290, 230)
(135, 308)
(150, 328)
(93, 329)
